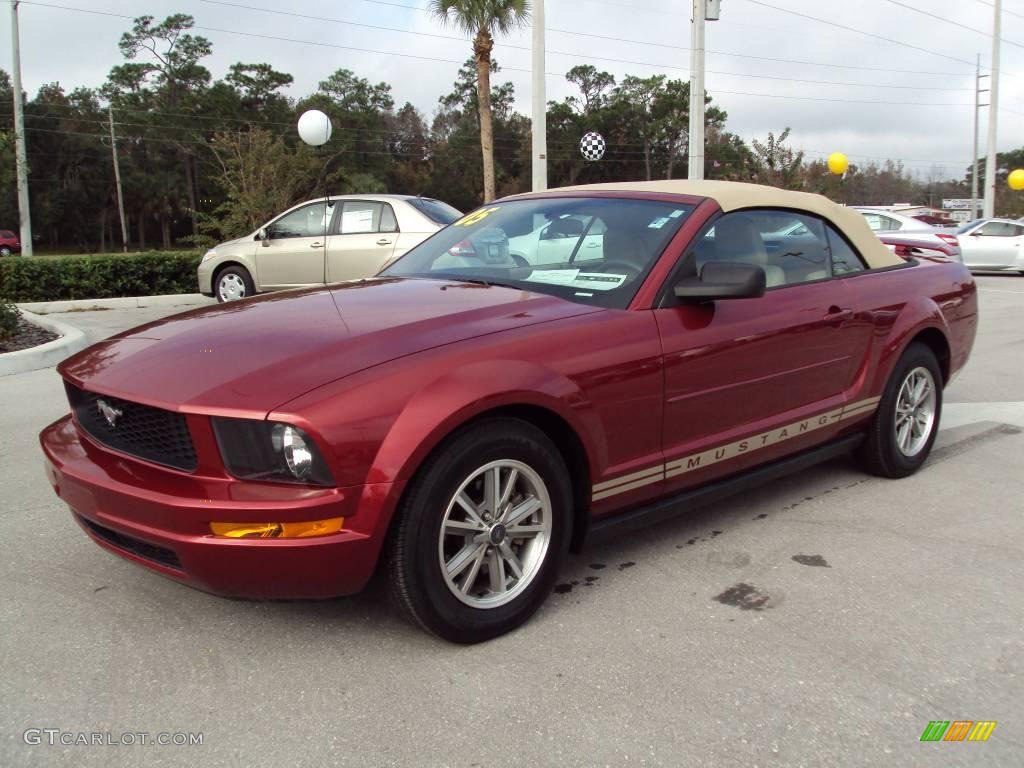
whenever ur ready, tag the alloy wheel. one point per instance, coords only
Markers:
(915, 411)
(495, 534)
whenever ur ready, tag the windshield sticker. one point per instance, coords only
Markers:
(594, 281)
(676, 213)
(474, 218)
(658, 223)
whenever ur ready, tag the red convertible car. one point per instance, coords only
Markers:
(550, 367)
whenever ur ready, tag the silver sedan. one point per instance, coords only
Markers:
(883, 222)
(993, 244)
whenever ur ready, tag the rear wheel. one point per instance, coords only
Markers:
(233, 283)
(5, 251)
(482, 532)
(907, 421)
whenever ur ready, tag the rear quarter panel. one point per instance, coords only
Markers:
(903, 302)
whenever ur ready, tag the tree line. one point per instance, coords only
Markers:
(205, 159)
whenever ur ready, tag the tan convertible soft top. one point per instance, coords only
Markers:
(734, 196)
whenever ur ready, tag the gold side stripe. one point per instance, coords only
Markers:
(628, 478)
(731, 450)
(851, 412)
(656, 478)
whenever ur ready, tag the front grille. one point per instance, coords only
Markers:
(135, 546)
(150, 433)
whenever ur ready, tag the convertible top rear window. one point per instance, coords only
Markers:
(589, 250)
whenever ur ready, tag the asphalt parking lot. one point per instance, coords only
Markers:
(823, 620)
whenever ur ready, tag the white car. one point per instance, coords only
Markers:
(883, 222)
(343, 237)
(993, 244)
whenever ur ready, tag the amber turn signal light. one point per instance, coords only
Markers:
(278, 530)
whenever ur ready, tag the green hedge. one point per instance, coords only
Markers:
(8, 319)
(97, 277)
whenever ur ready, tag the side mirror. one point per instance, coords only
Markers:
(976, 233)
(722, 280)
(264, 237)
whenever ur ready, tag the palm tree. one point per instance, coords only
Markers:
(483, 19)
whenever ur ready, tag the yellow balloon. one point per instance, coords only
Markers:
(837, 163)
(1016, 179)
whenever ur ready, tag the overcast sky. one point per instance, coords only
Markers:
(925, 118)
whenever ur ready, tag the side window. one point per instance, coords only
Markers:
(360, 217)
(997, 229)
(844, 259)
(889, 224)
(308, 221)
(1018, 230)
(791, 247)
(874, 221)
(388, 222)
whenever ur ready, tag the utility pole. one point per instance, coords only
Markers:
(993, 117)
(696, 166)
(974, 157)
(21, 158)
(117, 180)
(540, 106)
(703, 10)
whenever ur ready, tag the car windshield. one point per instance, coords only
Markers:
(435, 210)
(589, 250)
(968, 226)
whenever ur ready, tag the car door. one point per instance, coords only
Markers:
(993, 244)
(363, 242)
(748, 380)
(292, 254)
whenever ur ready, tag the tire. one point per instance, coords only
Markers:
(893, 451)
(467, 608)
(233, 283)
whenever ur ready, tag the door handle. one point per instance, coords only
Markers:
(838, 315)
(316, 245)
(383, 241)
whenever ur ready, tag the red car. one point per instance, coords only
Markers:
(596, 358)
(9, 243)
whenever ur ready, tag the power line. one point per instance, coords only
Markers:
(683, 48)
(844, 101)
(1005, 10)
(454, 61)
(858, 31)
(950, 21)
(802, 62)
(656, 65)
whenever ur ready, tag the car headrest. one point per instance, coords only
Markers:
(567, 227)
(738, 239)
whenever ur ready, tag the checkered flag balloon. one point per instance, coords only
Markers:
(592, 146)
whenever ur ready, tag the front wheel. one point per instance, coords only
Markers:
(5, 251)
(233, 283)
(482, 532)
(907, 421)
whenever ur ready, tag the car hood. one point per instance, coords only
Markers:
(248, 357)
(237, 241)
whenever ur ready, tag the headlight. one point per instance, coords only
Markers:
(209, 254)
(269, 451)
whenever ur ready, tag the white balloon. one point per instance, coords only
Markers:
(314, 127)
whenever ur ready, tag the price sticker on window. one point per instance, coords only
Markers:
(474, 218)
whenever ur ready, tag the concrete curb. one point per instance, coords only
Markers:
(123, 302)
(45, 355)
